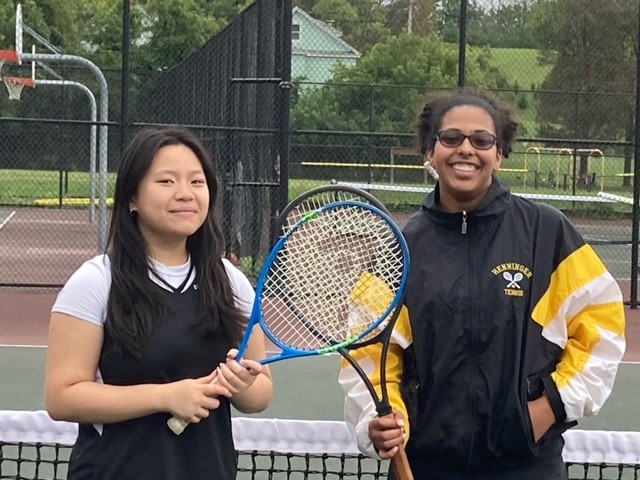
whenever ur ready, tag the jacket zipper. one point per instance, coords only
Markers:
(472, 345)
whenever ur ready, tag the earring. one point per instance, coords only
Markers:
(132, 211)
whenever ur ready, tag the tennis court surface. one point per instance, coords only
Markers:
(300, 436)
(290, 449)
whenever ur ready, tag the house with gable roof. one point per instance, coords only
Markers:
(316, 47)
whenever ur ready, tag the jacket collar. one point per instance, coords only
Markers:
(494, 203)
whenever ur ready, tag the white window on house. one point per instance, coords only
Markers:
(295, 31)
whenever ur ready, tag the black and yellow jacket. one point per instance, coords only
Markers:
(503, 303)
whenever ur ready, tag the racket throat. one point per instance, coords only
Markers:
(383, 409)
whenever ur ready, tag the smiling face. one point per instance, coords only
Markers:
(172, 200)
(465, 172)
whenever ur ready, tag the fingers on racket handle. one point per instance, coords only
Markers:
(177, 425)
(400, 465)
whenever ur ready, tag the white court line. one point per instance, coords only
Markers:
(6, 220)
(11, 345)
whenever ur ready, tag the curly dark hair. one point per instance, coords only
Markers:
(435, 109)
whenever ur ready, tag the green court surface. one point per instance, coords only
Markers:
(305, 388)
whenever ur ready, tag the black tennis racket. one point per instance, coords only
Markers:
(299, 207)
(317, 198)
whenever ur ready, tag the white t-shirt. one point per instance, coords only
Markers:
(86, 292)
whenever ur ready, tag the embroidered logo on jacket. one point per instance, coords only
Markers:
(513, 274)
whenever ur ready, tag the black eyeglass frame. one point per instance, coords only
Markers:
(470, 137)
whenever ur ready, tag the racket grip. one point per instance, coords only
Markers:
(400, 465)
(177, 425)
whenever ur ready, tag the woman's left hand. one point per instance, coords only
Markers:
(542, 416)
(238, 376)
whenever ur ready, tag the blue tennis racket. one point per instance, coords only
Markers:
(332, 281)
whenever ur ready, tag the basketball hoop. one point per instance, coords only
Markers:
(15, 85)
(8, 56)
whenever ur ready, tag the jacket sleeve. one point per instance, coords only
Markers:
(359, 407)
(582, 312)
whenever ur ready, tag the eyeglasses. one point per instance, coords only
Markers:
(453, 137)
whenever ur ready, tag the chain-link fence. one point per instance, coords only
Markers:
(287, 97)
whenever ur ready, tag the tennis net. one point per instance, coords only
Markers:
(32, 446)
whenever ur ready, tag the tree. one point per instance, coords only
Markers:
(162, 31)
(56, 20)
(507, 24)
(363, 23)
(449, 19)
(591, 47)
(511, 25)
(7, 25)
(421, 13)
(386, 87)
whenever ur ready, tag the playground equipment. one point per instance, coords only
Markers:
(568, 168)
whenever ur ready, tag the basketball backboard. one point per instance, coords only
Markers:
(19, 32)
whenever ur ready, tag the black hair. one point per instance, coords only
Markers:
(135, 302)
(435, 109)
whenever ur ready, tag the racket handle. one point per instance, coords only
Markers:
(177, 425)
(400, 465)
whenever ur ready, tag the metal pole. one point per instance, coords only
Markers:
(636, 185)
(462, 45)
(126, 42)
(92, 141)
(103, 132)
(410, 17)
(285, 103)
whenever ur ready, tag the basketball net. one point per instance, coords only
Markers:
(15, 85)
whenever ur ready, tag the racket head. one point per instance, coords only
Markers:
(317, 198)
(331, 278)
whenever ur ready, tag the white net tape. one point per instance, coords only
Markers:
(309, 436)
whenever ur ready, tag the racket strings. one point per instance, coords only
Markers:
(335, 277)
(317, 201)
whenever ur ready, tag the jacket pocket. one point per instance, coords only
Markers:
(516, 432)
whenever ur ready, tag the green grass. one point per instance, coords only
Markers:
(521, 66)
(522, 69)
(299, 186)
(608, 168)
(42, 187)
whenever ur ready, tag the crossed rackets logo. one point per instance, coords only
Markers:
(513, 279)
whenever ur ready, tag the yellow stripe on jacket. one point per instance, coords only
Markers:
(374, 295)
(582, 313)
